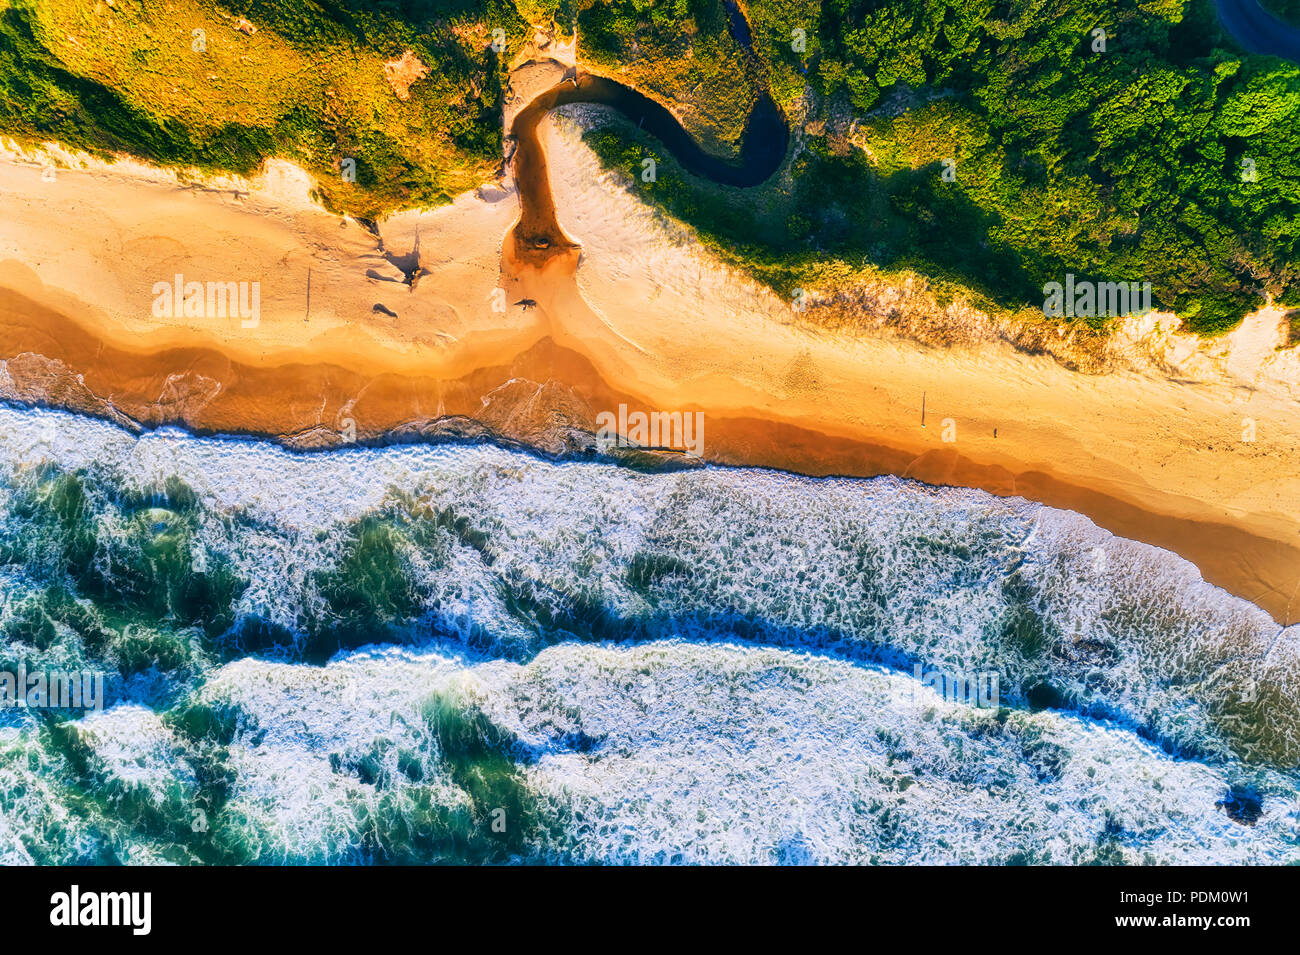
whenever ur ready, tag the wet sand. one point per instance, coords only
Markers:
(537, 236)
(628, 310)
(545, 387)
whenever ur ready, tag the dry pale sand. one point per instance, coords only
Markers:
(94, 241)
(1154, 452)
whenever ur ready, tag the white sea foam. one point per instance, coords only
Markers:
(749, 722)
(882, 569)
(723, 753)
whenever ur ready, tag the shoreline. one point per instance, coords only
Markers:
(634, 312)
(532, 401)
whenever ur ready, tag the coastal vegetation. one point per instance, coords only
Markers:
(1287, 10)
(1001, 149)
(991, 149)
(679, 52)
(328, 84)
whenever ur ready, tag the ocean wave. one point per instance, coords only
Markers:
(213, 578)
(672, 752)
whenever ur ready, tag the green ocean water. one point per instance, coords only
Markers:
(472, 655)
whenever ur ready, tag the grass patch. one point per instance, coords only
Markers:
(221, 88)
(679, 52)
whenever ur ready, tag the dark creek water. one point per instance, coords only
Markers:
(766, 134)
(1257, 30)
(420, 654)
(763, 145)
(762, 148)
(762, 151)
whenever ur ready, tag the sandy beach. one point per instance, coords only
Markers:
(1158, 448)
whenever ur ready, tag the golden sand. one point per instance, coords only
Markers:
(639, 314)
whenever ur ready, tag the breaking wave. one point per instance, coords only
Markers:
(465, 653)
